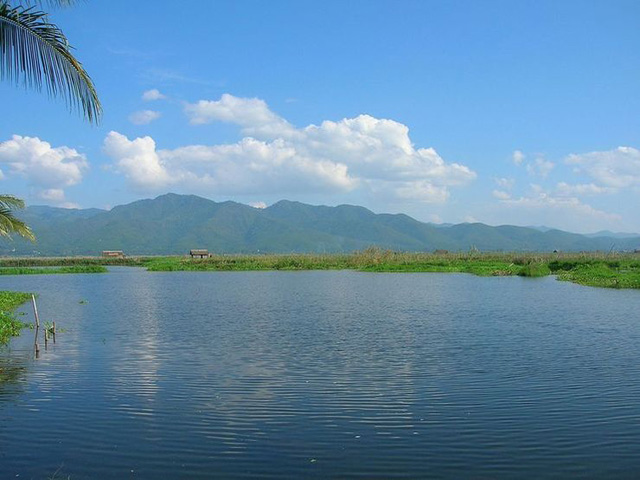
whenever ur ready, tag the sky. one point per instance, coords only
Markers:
(502, 112)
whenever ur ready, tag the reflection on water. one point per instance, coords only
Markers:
(323, 374)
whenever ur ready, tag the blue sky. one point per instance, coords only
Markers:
(504, 112)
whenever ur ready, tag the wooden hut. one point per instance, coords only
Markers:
(113, 254)
(199, 253)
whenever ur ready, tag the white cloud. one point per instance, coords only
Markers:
(252, 114)
(540, 167)
(138, 161)
(502, 195)
(506, 183)
(259, 205)
(144, 117)
(56, 196)
(422, 191)
(518, 157)
(153, 94)
(354, 154)
(618, 168)
(561, 211)
(47, 169)
(566, 189)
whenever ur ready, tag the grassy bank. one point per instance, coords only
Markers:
(614, 270)
(52, 270)
(71, 261)
(10, 326)
(594, 269)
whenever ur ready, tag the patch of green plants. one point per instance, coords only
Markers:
(604, 274)
(614, 270)
(595, 269)
(72, 261)
(534, 269)
(10, 326)
(52, 270)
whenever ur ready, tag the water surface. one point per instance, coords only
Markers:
(323, 374)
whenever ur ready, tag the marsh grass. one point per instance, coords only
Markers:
(71, 261)
(10, 326)
(52, 270)
(594, 269)
(613, 270)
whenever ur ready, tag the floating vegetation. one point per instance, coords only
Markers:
(10, 326)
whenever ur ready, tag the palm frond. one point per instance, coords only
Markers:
(48, 3)
(11, 202)
(10, 224)
(36, 52)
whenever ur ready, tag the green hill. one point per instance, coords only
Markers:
(173, 224)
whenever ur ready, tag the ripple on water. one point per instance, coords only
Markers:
(323, 374)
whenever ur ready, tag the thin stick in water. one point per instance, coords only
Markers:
(35, 312)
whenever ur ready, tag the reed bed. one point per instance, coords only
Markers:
(613, 270)
(53, 270)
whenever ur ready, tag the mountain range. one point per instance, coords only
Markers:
(174, 224)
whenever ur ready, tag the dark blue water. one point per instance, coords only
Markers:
(323, 374)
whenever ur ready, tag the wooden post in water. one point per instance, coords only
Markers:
(35, 312)
(53, 332)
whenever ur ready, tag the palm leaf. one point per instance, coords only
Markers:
(11, 202)
(10, 224)
(36, 52)
(48, 3)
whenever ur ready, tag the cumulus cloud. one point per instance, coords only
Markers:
(259, 205)
(138, 161)
(47, 169)
(518, 157)
(506, 183)
(618, 168)
(549, 208)
(502, 195)
(540, 167)
(252, 114)
(56, 196)
(582, 189)
(361, 153)
(144, 117)
(152, 95)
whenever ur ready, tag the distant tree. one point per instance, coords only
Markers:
(9, 224)
(35, 52)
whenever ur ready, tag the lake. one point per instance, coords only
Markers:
(322, 374)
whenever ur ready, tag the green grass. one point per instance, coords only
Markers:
(604, 274)
(10, 326)
(52, 270)
(71, 261)
(593, 269)
(613, 270)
